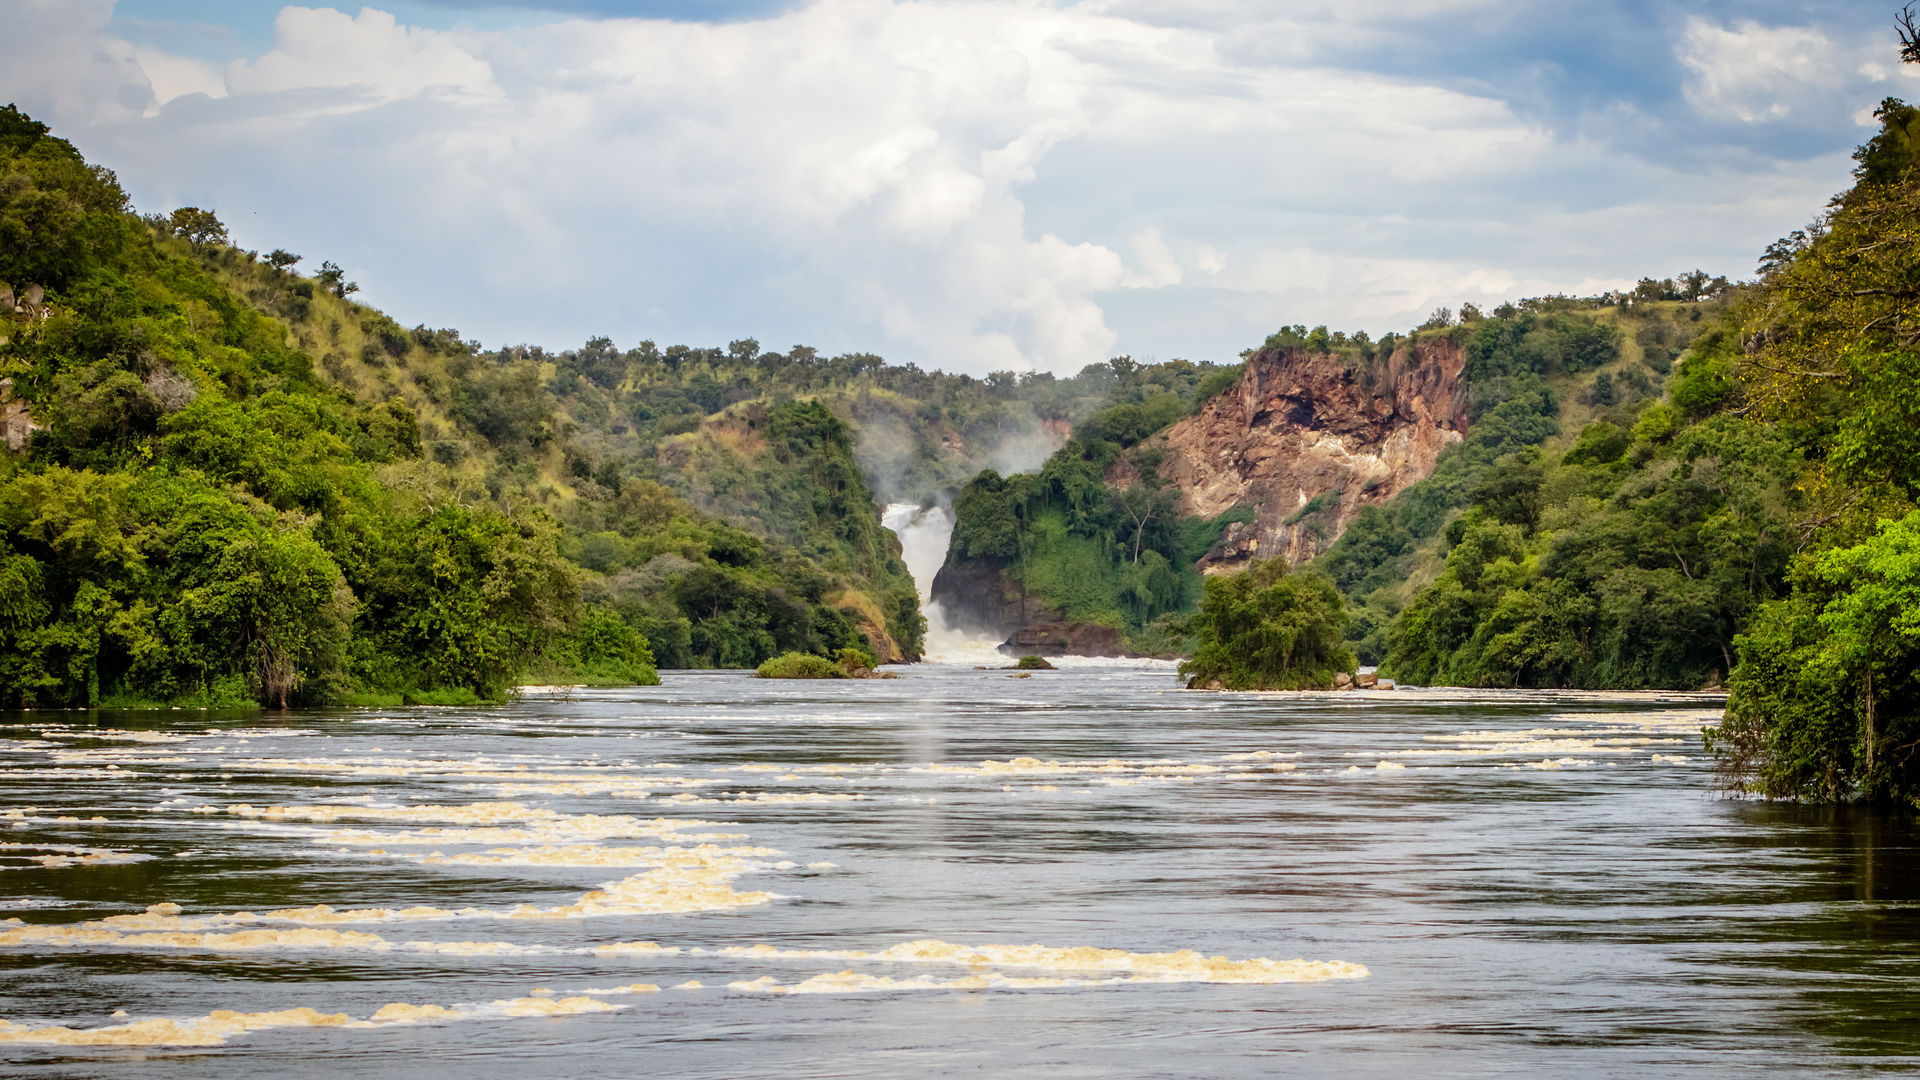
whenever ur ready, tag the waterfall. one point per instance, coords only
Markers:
(924, 533)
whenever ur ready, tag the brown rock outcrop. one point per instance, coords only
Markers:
(1302, 427)
(16, 423)
(978, 596)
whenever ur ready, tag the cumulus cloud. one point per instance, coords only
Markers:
(177, 76)
(974, 184)
(371, 54)
(1755, 73)
(56, 58)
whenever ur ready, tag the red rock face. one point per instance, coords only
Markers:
(1300, 426)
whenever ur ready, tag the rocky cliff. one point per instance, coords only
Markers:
(1307, 439)
(980, 596)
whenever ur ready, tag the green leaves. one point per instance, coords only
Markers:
(1572, 573)
(1825, 704)
(57, 213)
(1269, 629)
(197, 227)
(1877, 437)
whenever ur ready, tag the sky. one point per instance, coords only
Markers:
(973, 185)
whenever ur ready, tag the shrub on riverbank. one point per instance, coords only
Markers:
(1269, 628)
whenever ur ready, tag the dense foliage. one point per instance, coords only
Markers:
(1628, 558)
(1520, 559)
(798, 665)
(1269, 628)
(1826, 701)
(1629, 561)
(921, 433)
(211, 515)
(202, 519)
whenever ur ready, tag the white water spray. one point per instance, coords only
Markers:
(924, 533)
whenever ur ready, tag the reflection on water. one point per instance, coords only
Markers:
(1085, 873)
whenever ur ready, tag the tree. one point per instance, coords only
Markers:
(281, 259)
(1825, 704)
(57, 213)
(601, 363)
(198, 227)
(333, 279)
(1268, 628)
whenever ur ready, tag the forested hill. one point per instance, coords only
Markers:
(227, 482)
(716, 427)
(1605, 385)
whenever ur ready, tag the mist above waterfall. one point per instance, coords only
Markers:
(1025, 451)
(905, 461)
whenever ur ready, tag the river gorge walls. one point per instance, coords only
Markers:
(1299, 445)
(1306, 440)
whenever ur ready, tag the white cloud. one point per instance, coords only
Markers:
(1754, 73)
(324, 49)
(975, 184)
(56, 61)
(177, 76)
(1156, 262)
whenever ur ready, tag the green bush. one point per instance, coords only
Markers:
(856, 661)
(795, 665)
(601, 650)
(1268, 628)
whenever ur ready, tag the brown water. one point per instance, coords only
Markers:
(1085, 873)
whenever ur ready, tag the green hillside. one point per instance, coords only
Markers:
(1546, 378)
(245, 487)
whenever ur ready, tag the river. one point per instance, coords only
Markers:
(850, 879)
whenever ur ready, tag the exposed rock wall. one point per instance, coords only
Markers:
(16, 423)
(1301, 426)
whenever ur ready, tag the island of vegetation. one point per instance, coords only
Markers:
(848, 664)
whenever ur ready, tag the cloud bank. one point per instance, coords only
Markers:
(975, 184)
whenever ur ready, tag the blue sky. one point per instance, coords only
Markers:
(970, 184)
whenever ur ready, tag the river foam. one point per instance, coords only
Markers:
(215, 1028)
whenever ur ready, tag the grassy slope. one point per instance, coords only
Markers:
(567, 461)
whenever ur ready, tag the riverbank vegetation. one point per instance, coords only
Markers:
(1825, 702)
(1628, 556)
(847, 664)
